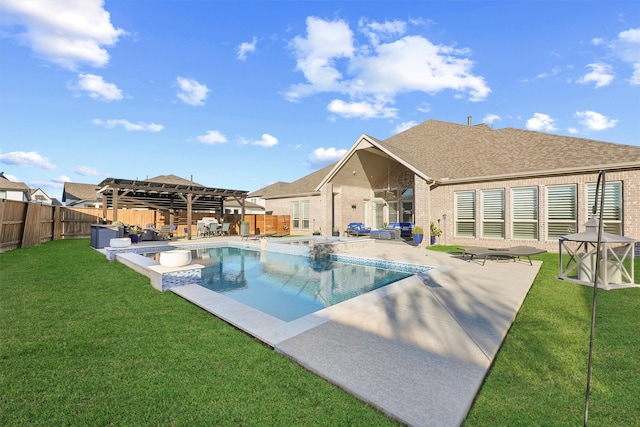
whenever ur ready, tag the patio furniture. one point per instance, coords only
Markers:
(165, 232)
(357, 229)
(405, 227)
(515, 253)
(383, 234)
(224, 230)
(203, 230)
(257, 236)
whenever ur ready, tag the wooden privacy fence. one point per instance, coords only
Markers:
(24, 224)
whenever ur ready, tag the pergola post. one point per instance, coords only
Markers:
(189, 215)
(114, 205)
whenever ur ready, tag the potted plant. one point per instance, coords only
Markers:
(335, 232)
(418, 234)
(316, 233)
(434, 232)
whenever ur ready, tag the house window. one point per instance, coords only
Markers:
(465, 213)
(524, 209)
(393, 211)
(612, 211)
(493, 213)
(562, 210)
(300, 215)
(304, 217)
(295, 215)
(3, 194)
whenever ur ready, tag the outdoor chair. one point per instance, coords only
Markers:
(357, 229)
(166, 232)
(224, 230)
(203, 230)
(515, 253)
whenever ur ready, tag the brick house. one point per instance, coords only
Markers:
(479, 185)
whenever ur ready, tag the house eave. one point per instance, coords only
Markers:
(539, 174)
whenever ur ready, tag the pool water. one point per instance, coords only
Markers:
(287, 286)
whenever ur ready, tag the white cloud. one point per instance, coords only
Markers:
(324, 156)
(376, 31)
(404, 126)
(65, 32)
(316, 56)
(266, 141)
(24, 158)
(363, 109)
(212, 137)
(191, 92)
(594, 121)
(490, 118)
(97, 88)
(246, 48)
(541, 122)
(11, 178)
(424, 107)
(129, 126)
(627, 47)
(601, 75)
(380, 68)
(86, 171)
(61, 179)
(554, 71)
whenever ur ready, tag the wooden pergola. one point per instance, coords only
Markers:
(177, 196)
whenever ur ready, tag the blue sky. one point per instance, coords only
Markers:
(241, 94)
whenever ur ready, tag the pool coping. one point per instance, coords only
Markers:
(269, 329)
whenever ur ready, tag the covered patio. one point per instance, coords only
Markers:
(167, 193)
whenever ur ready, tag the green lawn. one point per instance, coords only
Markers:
(88, 342)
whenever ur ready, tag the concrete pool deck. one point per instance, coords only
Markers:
(418, 349)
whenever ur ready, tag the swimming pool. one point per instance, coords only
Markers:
(288, 286)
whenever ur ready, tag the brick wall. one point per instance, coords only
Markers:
(442, 207)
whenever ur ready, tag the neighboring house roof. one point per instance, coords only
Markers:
(449, 151)
(233, 204)
(77, 192)
(14, 186)
(7, 185)
(303, 186)
(173, 179)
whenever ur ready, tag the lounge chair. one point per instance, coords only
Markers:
(257, 236)
(357, 229)
(515, 253)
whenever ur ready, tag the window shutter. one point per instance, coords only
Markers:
(493, 213)
(612, 209)
(525, 213)
(561, 210)
(465, 213)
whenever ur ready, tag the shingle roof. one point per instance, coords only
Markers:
(77, 191)
(448, 150)
(5, 184)
(173, 179)
(304, 185)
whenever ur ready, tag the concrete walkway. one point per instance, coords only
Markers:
(418, 349)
